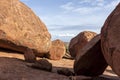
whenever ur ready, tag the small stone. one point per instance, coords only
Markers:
(42, 64)
(29, 55)
(65, 71)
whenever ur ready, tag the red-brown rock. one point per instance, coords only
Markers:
(90, 61)
(20, 28)
(17, 69)
(29, 55)
(110, 40)
(78, 42)
(80, 78)
(57, 50)
(42, 64)
(65, 71)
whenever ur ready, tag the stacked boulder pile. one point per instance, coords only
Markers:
(102, 50)
(22, 31)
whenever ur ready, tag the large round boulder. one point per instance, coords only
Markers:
(110, 40)
(57, 50)
(78, 42)
(90, 60)
(20, 28)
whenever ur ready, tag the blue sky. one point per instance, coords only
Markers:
(66, 18)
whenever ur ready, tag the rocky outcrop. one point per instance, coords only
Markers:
(57, 50)
(90, 61)
(78, 42)
(20, 28)
(16, 69)
(110, 40)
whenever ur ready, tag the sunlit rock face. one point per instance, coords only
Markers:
(79, 41)
(57, 50)
(20, 28)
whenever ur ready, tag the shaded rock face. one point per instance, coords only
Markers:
(90, 61)
(80, 78)
(57, 50)
(110, 40)
(65, 71)
(78, 42)
(20, 28)
(16, 69)
(29, 56)
(42, 64)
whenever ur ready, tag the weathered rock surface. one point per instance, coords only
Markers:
(78, 42)
(15, 69)
(65, 71)
(42, 64)
(110, 40)
(90, 61)
(29, 56)
(93, 78)
(57, 50)
(80, 78)
(20, 28)
(105, 78)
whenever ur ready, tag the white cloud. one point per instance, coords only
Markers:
(84, 1)
(93, 3)
(24, 0)
(67, 6)
(113, 4)
(99, 3)
(91, 6)
(66, 34)
(92, 13)
(85, 10)
(81, 15)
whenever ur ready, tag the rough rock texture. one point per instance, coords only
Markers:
(80, 78)
(20, 28)
(57, 50)
(110, 40)
(65, 71)
(90, 61)
(78, 42)
(42, 64)
(15, 69)
(29, 56)
(105, 78)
